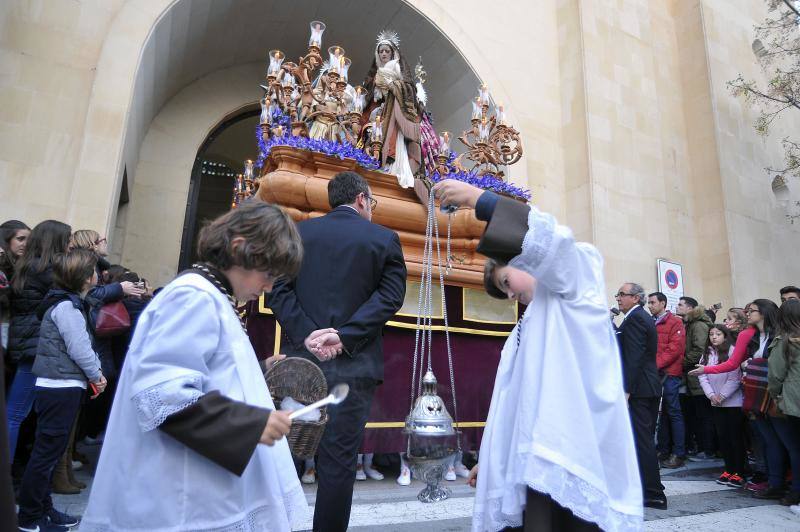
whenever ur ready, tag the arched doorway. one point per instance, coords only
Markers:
(218, 161)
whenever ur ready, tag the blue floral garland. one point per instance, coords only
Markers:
(328, 147)
(485, 182)
(348, 151)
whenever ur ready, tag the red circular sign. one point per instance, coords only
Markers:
(672, 279)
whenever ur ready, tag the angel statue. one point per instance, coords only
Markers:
(394, 100)
(325, 107)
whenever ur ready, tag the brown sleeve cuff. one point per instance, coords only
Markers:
(221, 429)
(502, 239)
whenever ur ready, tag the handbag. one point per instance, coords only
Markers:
(112, 320)
(756, 397)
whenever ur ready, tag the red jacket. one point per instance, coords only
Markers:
(671, 344)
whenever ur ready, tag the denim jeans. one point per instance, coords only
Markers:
(19, 402)
(788, 432)
(56, 409)
(774, 451)
(671, 422)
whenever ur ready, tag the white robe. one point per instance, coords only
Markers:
(188, 342)
(558, 421)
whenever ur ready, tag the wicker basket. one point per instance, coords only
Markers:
(302, 380)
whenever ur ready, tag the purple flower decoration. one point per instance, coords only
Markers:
(485, 182)
(328, 147)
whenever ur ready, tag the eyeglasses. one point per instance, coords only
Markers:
(100, 241)
(373, 203)
(750, 310)
(620, 294)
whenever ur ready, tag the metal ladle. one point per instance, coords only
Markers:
(337, 395)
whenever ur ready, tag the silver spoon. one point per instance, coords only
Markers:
(337, 395)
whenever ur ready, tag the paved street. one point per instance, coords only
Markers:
(696, 504)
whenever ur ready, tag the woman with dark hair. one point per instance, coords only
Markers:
(95, 415)
(33, 278)
(784, 388)
(13, 238)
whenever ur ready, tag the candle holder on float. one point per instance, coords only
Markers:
(491, 142)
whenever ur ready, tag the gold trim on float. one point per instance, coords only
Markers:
(262, 307)
(277, 348)
(479, 332)
(464, 311)
(400, 424)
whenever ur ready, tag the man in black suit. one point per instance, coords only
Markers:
(638, 341)
(351, 282)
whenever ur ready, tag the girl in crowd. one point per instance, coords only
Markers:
(65, 361)
(753, 342)
(725, 393)
(735, 321)
(33, 278)
(784, 387)
(13, 238)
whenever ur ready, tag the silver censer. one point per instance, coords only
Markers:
(431, 440)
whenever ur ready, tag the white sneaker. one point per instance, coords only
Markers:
(360, 472)
(451, 474)
(374, 474)
(461, 470)
(309, 477)
(77, 465)
(405, 476)
(795, 508)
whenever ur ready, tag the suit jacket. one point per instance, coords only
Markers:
(353, 278)
(638, 343)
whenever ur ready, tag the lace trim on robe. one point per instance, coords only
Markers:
(568, 490)
(537, 242)
(157, 403)
(259, 519)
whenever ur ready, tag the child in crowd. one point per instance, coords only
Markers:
(725, 393)
(65, 361)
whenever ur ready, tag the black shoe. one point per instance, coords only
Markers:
(674, 462)
(770, 493)
(791, 498)
(61, 518)
(42, 525)
(659, 503)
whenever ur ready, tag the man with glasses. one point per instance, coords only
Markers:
(351, 282)
(638, 341)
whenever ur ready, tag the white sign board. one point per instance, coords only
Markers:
(670, 282)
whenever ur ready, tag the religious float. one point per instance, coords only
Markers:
(314, 124)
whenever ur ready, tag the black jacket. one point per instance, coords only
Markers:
(638, 343)
(23, 329)
(353, 278)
